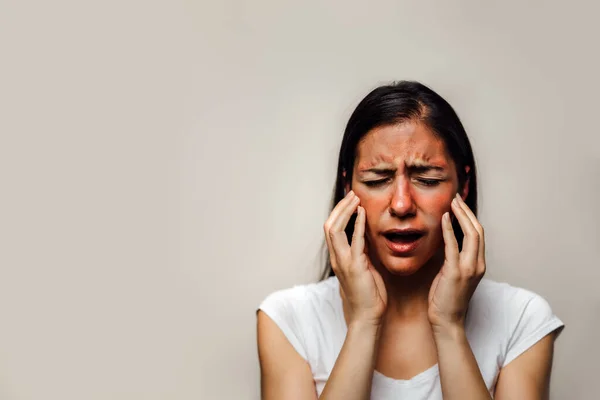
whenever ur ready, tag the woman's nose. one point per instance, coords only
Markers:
(402, 203)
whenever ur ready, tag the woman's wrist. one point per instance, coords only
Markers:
(449, 332)
(364, 327)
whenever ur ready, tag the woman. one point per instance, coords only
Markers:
(405, 313)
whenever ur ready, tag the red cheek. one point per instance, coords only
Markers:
(373, 204)
(435, 203)
(374, 207)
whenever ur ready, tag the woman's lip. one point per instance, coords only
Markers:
(405, 231)
(403, 248)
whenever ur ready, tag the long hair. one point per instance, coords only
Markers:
(393, 104)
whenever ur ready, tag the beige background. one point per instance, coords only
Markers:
(166, 164)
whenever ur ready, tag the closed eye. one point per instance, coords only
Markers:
(429, 182)
(426, 182)
(376, 183)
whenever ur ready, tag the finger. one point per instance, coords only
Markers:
(331, 252)
(358, 237)
(340, 206)
(470, 246)
(451, 245)
(330, 220)
(480, 231)
(329, 245)
(337, 233)
(341, 219)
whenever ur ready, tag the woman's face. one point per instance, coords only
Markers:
(405, 181)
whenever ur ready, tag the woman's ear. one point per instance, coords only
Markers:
(464, 191)
(346, 184)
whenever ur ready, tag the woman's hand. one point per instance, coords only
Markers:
(362, 286)
(454, 285)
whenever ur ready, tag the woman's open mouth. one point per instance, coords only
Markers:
(403, 242)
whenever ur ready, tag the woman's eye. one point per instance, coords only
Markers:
(424, 181)
(429, 182)
(376, 183)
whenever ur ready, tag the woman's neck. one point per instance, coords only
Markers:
(408, 296)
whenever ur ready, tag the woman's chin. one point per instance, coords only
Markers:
(402, 266)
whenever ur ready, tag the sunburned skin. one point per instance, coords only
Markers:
(404, 179)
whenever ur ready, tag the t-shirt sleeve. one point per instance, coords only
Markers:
(530, 323)
(282, 307)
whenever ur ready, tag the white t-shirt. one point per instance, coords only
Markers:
(503, 321)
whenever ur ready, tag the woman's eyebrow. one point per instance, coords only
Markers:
(381, 171)
(421, 165)
(413, 167)
(425, 168)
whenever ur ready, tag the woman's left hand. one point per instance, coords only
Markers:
(454, 285)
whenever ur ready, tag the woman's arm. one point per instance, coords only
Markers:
(352, 373)
(286, 375)
(459, 373)
(527, 377)
(283, 370)
(449, 297)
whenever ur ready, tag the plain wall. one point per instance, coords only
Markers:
(165, 165)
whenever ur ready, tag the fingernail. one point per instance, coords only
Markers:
(458, 196)
(351, 193)
(455, 202)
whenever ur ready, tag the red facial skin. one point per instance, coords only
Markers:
(405, 197)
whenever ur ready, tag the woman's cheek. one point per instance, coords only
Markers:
(435, 206)
(371, 215)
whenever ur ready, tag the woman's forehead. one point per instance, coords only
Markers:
(409, 143)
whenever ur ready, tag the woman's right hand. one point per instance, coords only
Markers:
(362, 286)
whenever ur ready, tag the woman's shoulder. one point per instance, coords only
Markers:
(305, 295)
(304, 304)
(505, 296)
(509, 302)
(511, 316)
(304, 311)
